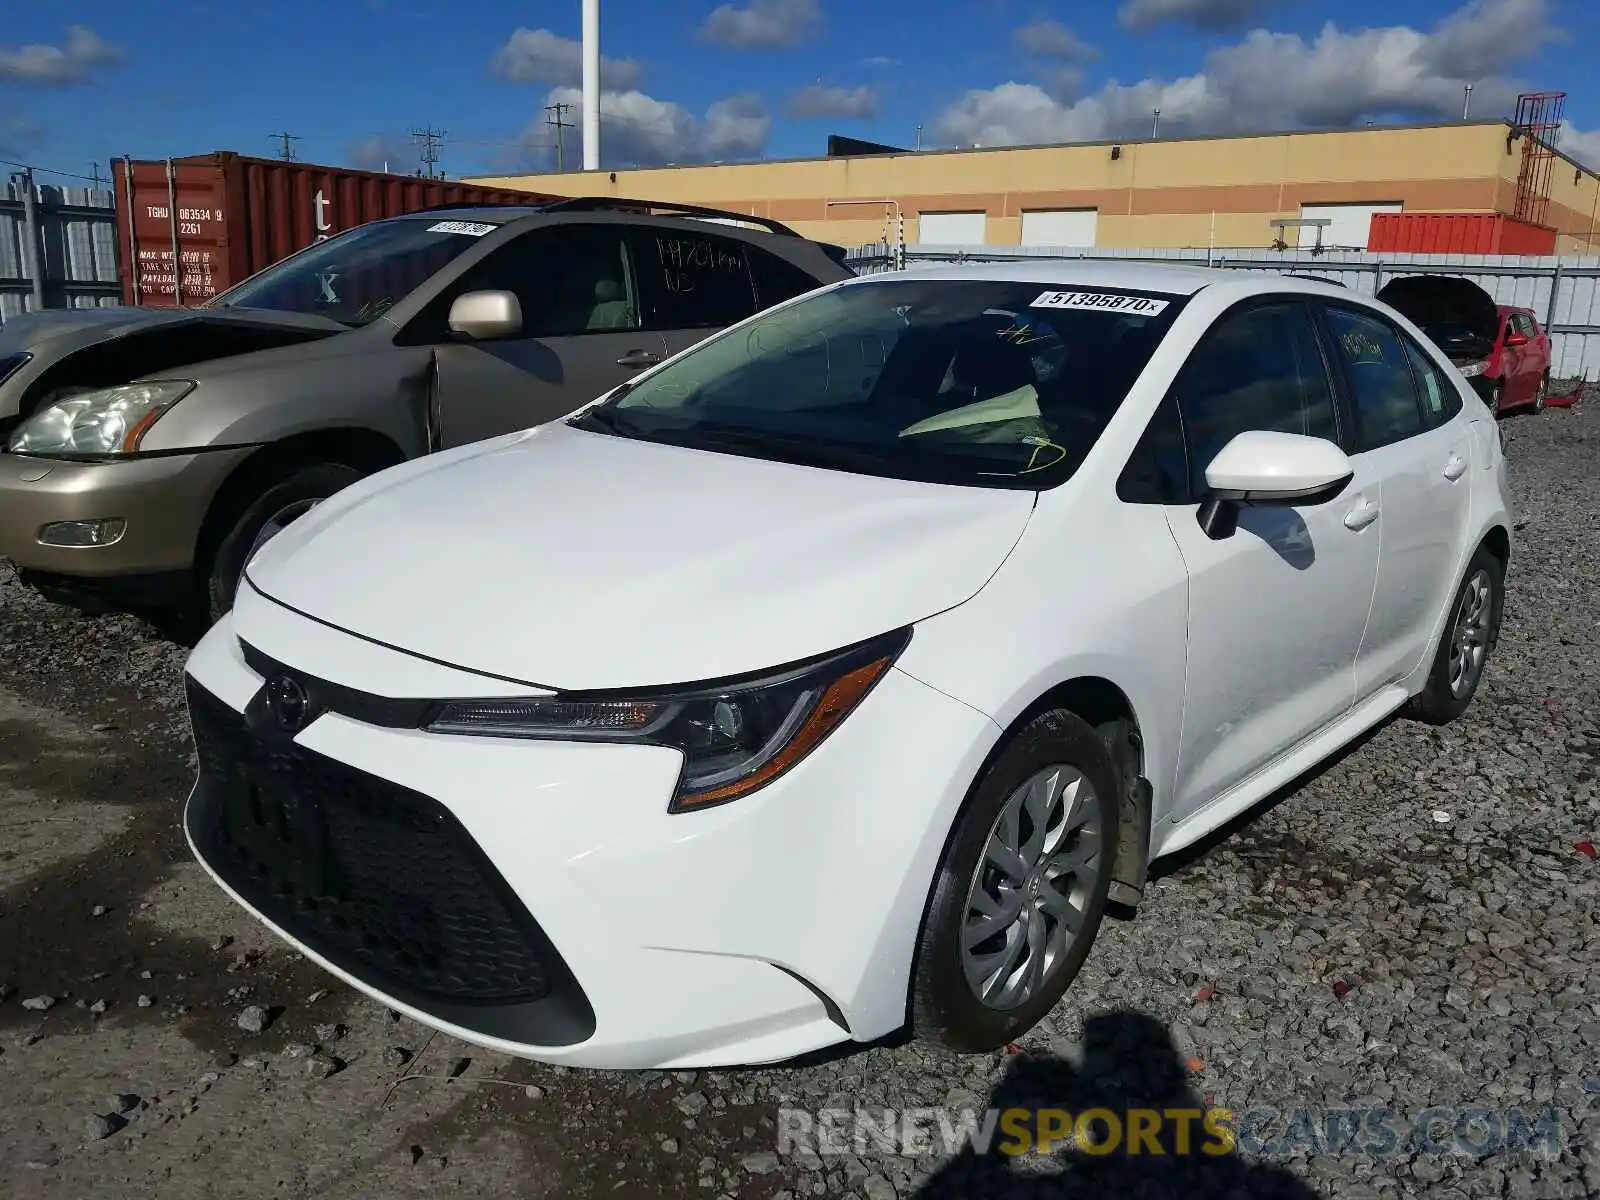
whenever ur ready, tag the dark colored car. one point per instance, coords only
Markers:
(151, 450)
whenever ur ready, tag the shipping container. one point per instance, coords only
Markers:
(1457, 233)
(224, 217)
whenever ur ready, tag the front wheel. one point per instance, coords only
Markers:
(1468, 639)
(272, 511)
(1541, 396)
(1021, 890)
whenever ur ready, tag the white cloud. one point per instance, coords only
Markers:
(58, 66)
(1051, 39)
(539, 56)
(379, 151)
(762, 24)
(1280, 81)
(859, 103)
(1583, 145)
(1213, 16)
(639, 130)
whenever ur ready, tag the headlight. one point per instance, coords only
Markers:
(1472, 369)
(735, 737)
(109, 421)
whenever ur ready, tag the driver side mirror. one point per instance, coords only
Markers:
(1516, 339)
(1263, 467)
(483, 316)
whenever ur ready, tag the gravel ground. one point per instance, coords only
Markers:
(1417, 925)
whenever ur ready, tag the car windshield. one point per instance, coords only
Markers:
(360, 274)
(989, 383)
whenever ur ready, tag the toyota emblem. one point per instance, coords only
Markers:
(289, 703)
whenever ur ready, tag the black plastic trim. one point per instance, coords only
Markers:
(562, 1017)
(326, 697)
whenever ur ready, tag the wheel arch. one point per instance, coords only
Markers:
(357, 447)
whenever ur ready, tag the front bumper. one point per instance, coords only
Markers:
(162, 499)
(549, 904)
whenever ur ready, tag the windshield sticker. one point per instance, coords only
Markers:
(470, 228)
(1147, 306)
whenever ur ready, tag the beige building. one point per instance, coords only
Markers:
(1222, 192)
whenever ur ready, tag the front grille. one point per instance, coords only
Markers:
(377, 878)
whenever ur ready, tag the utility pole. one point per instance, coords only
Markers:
(557, 112)
(429, 141)
(591, 85)
(1466, 103)
(284, 139)
(1155, 125)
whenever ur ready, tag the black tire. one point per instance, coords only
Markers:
(1440, 702)
(300, 487)
(943, 1007)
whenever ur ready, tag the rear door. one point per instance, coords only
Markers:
(581, 332)
(1411, 438)
(691, 284)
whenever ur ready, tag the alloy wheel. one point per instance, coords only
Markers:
(1543, 394)
(1026, 903)
(1469, 638)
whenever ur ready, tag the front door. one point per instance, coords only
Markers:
(581, 334)
(691, 284)
(1276, 611)
(1410, 436)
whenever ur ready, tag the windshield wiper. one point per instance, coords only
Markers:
(606, 419)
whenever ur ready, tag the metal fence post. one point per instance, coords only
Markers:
(1555, 291)
(33, 260)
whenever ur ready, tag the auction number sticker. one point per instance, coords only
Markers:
(1147, 306)
(470, 228)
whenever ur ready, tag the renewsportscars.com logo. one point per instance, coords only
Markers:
(1262, 1132)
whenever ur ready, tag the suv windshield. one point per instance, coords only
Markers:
(357, 276)
(992, 383)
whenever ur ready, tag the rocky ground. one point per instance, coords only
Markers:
(1418, 925)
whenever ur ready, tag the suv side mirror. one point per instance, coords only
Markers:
(1261, 466)
(482, 316)
(1516, 339)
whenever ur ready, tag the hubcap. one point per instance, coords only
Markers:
(1027, 901)
(1469, 638)
(1540, 396)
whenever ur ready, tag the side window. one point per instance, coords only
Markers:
(1383, 391)
(776, 279)
(1158, 470)
(569, 279)
(692, 280)
(1440, 399)
(1256, 368)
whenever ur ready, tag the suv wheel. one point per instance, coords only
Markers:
(264, 518)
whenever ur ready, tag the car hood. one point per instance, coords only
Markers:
(75, 327)
(1459, 315)
(570, 560)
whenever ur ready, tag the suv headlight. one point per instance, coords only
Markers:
(735, 737)
(109, 421)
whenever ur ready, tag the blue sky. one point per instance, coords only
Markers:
(698, 79)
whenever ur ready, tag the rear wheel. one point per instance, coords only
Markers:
(1468, 639)
(262, 519)
(1022, 888)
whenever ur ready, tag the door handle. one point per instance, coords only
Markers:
(638, 358)
(1361, 515)
(1455, 467)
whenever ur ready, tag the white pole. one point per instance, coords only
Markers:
(591, 85)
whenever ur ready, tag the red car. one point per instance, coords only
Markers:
(1500, 347)
(1518, 369)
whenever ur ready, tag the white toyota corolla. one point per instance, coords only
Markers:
(834, 675)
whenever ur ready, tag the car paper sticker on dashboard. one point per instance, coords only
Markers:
(1147, 306)
(470, 228)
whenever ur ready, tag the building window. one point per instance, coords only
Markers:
(1060, 226)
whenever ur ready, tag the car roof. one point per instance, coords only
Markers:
(1175, 279)
(494, 214)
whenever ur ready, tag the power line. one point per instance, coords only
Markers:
(557, 111)
(285, 153)
(429, 141)
(94, 179)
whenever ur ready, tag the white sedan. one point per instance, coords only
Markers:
(834, 675)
